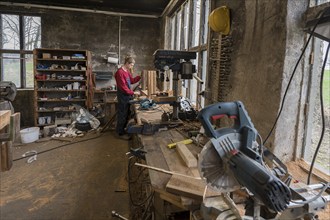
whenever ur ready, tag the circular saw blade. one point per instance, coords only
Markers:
(215, 171)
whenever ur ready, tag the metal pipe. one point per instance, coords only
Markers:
(27, 5)
(119, 39)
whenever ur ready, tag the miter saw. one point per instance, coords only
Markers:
(233, 159)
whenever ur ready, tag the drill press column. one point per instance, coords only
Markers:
(181, 66)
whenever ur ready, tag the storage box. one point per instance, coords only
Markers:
(46, 55)
(62, 121)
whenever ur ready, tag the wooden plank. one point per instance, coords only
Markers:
(154, 157)
(164, 99)
(144, 79)
(192, 188)
(154, 79)
(15, 125)
(4, 118)
(173, 199)
(6, 156)
(149, 84)
(189, 159)
(316, 172)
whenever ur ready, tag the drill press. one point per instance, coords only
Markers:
(180, 64)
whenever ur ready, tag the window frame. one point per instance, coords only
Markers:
(188, 37)
(21, 51)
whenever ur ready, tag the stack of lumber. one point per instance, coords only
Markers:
(149, 82)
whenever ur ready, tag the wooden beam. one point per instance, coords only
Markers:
(6, 156)
(189, 187)
(4, 118)
(189, 159)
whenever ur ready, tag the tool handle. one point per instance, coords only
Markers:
(234, 110)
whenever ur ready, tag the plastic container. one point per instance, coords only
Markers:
(29, 135)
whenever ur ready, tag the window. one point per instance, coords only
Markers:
(196, 23)
(313, 116)
(314, 120)
(178, 33)
(19, 36)
(186, 25)
(189, 31)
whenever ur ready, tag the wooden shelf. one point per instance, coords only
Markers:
(59, 70)
(60, 100)
(60, 80)
(50, 111)
(53, 91)
(43, 125)
(59, 90)
(65, 60)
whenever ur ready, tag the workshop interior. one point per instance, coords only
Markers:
(229, 117)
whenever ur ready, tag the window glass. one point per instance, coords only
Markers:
(32, 30)
(203, 77)
(11, 68)
(205, 21)
(186, 25)
(196, 23)
(173, 32)
(29, 70)
(193, 85)
(178, 32)
(10, 32)
(313, 3)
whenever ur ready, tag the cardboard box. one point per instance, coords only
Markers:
(46, 55)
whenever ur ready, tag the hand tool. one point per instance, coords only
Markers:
(115, 214)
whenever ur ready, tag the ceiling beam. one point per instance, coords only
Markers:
(27, 5)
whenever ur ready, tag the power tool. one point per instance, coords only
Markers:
(233, 159)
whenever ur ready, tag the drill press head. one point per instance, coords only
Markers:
(177, 61)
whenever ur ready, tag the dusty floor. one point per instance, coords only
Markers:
(85, 180)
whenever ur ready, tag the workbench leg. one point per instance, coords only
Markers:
(159, 207)
(6, 156)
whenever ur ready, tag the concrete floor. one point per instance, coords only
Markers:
(85, 180)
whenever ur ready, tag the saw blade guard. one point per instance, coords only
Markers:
(234, 110)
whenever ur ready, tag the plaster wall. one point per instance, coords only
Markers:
(103, 35)
(267, 40)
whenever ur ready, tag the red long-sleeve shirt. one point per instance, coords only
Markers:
(124, 80)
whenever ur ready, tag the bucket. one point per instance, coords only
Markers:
(29, 135)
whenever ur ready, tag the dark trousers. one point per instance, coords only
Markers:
(123, 112)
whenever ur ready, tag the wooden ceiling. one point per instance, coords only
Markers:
(148, 7)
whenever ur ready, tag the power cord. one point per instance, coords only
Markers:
(293, 73)
(60, 146)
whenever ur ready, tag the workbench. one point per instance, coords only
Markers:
(183, 191)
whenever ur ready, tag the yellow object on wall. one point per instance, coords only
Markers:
(219, 20)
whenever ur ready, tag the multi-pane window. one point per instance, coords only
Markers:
(19, 36)
(192, 27)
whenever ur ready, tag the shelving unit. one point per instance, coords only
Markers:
(61, 80)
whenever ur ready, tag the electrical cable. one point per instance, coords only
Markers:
(130, 164)
(292, 75)
(314, 198)
(322, 116)
(60, 146)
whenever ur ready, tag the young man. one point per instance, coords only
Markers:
(124, 80)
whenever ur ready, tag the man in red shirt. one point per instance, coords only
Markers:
(124, 80)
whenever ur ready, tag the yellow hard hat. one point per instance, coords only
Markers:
(219, 20)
